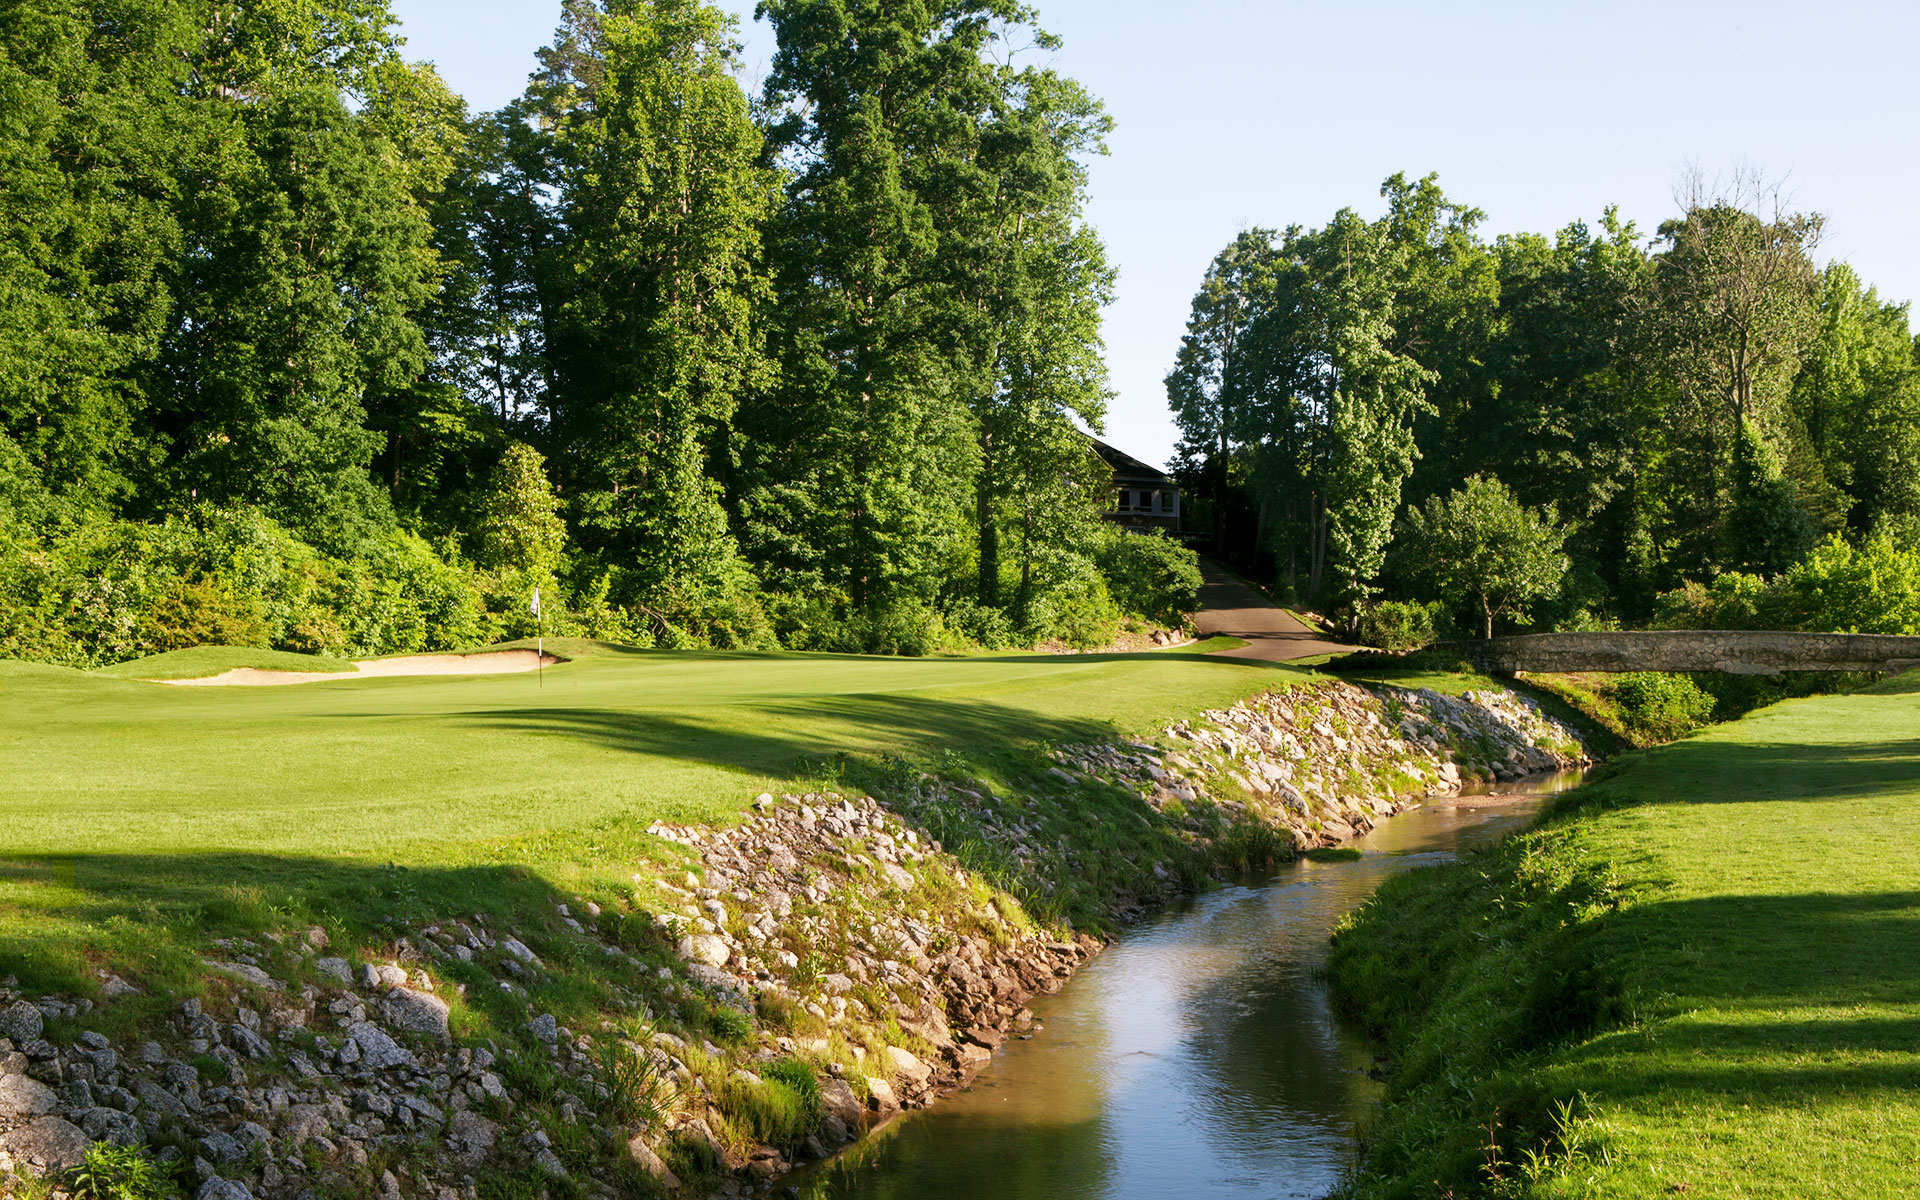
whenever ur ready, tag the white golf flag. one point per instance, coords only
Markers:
(534, 608)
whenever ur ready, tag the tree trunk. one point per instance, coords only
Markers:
(989, 589)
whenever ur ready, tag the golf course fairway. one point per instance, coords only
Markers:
(135, 814)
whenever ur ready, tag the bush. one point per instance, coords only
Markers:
(1658, 707)
(1841, 589)
(1069, 602)
(1399, 625)
(121, 1173)
(1731, 601)
(1838, 588)
(1151, 575)
(95, 591)
(981, 624)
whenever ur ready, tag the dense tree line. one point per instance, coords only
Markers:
(295, 350)
(1572, 429)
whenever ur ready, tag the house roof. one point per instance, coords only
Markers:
(1127, 466)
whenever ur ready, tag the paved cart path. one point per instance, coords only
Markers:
(1230, 606)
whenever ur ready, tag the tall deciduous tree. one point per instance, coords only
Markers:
(305, 264)
(1213, 377)
(96, 115)
(1036, 278)
(1732, 310)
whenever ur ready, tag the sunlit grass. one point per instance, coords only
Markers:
(1738, 915)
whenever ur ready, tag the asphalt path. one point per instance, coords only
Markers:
(1230, 606)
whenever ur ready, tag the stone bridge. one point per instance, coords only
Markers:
(1735, 652)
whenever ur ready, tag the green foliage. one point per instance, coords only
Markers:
(1399, 624)
(1657, 707)
(638, 1091)
(1838, 588)
(1874, 588)
(1768, 529)
(729, 1026)
(1480, 547)
(520, 529)
(782, 1109)
(121, 1173)
(1704, 403)
(1151, 575)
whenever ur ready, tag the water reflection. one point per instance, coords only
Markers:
(1198, 1056)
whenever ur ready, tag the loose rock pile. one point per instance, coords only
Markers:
(1325, 763)
(840, 935)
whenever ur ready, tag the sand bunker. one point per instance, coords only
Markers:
(492, 662)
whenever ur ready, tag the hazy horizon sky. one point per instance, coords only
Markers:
(1230, 115)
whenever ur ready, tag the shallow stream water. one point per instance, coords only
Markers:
(1197, 1057)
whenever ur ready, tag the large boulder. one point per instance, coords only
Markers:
(470, 1136)
(707, 948)
(880, 1092)
(651, 1164)
(377, 1050)
(841, 1102)
(417, 1012)
(907, 1066)
(112, 1126)
(20, 1022)
(49, 1144)
(21, 1096)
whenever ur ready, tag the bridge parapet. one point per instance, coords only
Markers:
(1736, 652)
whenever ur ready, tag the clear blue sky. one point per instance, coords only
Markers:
(1232, 113)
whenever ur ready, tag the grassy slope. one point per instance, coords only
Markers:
(203, 662)
(1719, 946)
(136, 819)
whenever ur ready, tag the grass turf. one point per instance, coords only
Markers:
(1717, 947)
(204, 662)
(136, 817)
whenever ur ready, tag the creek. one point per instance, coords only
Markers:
(1198, 1056)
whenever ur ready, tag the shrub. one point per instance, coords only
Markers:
(981, 624)
(1151, 574)
(1838, 588)
(1660, 707)
(1399, 625)
(120, 1173)
(1731, 601)
(1069, 601)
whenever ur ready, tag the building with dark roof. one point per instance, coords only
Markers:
(1144, 498)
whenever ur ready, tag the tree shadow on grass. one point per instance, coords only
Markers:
(156, 913)
(1712, 771)
(771, 737)
(1726, 980)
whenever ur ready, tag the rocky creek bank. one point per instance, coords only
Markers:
(788, 983)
